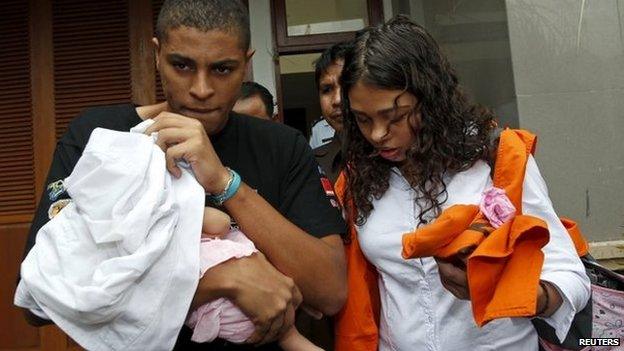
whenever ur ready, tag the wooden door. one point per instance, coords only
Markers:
(56, 58)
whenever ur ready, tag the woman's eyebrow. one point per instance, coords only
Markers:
(393, 109)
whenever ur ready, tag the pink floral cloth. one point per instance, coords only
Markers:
(608, 319)
(496, 206)
(608, 309)
(221, 318)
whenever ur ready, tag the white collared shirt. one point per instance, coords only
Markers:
(322, 133)
(418, 313)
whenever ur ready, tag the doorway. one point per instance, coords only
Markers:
(299, 94)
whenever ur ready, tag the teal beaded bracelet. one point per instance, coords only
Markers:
(230, 189)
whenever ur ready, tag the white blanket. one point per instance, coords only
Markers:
(117, 268)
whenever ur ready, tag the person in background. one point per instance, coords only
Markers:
(255, 100)
(326, 75)
(327, 70)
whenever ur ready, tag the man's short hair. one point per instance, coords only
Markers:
(250, 89)
(225, 15)
(328, 58)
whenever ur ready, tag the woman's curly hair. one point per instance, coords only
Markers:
(451, 136)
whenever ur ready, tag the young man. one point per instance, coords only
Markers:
(255, 100)
(202, 52)
(327, 71)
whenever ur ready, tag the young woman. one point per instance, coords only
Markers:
(414, 146)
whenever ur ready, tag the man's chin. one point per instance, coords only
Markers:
(335, 123)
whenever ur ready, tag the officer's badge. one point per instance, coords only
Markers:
(327, 186)
(56, 207)
(56, 189)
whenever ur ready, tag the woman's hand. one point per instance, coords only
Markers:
(454, 279)
(548, 299)
(453, 274)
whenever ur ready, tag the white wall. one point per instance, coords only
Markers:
(568, 65)
(262, 42)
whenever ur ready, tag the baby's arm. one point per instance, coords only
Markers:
(216, 223)
(294, 341)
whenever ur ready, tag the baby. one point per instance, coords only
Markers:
(221, 318)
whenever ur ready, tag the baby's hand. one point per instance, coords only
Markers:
(216, 223)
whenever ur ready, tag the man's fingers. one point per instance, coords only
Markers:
(162, 121)
(297, 297)
(274, 330)
(172, 135)
(167, 119)
(173, 168)
(289, 321)
(173, 155)
(255, 337)
(259, 333)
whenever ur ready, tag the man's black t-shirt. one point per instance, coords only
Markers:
(271, 158)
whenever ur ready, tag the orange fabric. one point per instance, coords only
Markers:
(582, 248)
(357, 323)
(505, 266)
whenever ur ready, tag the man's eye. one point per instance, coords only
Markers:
(180, 66)
(325, 90)
(361, 120)
(222, 70)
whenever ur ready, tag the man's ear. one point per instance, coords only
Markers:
(156, 51)
(248, 68)
(250, 54)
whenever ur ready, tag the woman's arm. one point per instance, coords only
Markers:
(563, 270)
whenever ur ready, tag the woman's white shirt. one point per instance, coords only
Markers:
(418, 313)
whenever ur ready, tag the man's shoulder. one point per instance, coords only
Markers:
(110, 116)
(331, 147)
(266, 129)
(119, 117)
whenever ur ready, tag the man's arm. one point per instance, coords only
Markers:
(317, 266)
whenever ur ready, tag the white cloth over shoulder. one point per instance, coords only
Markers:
(117, 268)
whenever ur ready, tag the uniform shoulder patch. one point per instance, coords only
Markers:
(56, 207)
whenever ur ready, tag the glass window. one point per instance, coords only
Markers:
(475, 37)
(304, 17)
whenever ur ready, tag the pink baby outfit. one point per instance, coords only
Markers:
(221, 318)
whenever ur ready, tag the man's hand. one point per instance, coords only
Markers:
(185, 138)
(265, 295)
